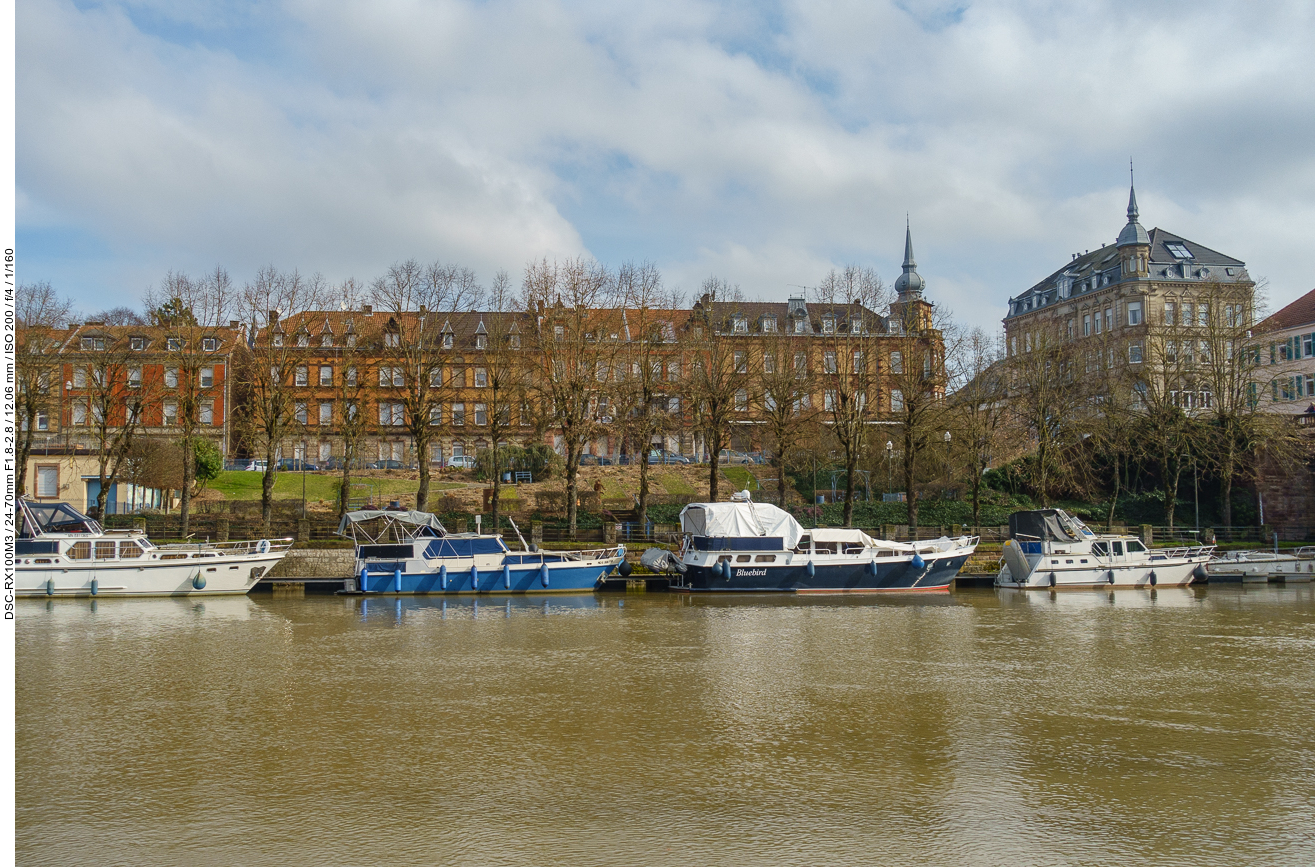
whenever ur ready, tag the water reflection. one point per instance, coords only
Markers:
(969, 728)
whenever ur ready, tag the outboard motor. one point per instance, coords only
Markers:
(661, 560)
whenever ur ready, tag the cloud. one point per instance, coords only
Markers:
(765, 142)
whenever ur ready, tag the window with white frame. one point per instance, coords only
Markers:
(1086, 324)
(896, 400)
(80, 377)
(800, 325)
(481, 341)
(326, 374)
(769, 324)
(391, 413)
(48, 480)
(828, 325)
(96, 344)
(435, 377)
(207, 377)
(209, 344)
(351, 377)
(1135, 352)
(801, 364)
(829, 400)
(326, 339)
(169, 413)
(303, 339)
(206, 413)
(1134, 312)
(79, 408)
(174, 344)
(276, 339)
(739, 324)
(352, 410)
(43, 420)
(741, 359)
(769, 363)
(858, 361)
(137, 344)
(897, 362)
(301, 376)
(436, 414)
(299, 412)
(134, 377)
(458, 414)
(481, 413)
(482, 376)
(741, 400)
(447, 340)
(351, 341)
(326, 413)
(673, 371)
(392, 339)
(673, 405)
(829, 361)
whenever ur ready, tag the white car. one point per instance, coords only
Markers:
(256, 467)
(462, 462)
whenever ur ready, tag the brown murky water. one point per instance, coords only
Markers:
(979, 728)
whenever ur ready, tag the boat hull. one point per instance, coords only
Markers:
(854, 577)
(1163, 573)
(378, 578)
(221, 576)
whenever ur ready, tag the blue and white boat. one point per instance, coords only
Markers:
(756, 547)
(412, 552)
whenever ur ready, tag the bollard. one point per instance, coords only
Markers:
(1147, 536)
(221, 529)
(609, 533)
(536, 532)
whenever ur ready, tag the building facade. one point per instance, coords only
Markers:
(1288, 347)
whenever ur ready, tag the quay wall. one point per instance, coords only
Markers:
(315, 563)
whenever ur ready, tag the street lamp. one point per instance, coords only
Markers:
(947, 464)
(890, 466)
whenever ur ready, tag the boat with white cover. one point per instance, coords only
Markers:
(399, 551)
(62, 552)
(756, 547)
(1051, 548)
(1259, 567)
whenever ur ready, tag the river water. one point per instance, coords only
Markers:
(980, 727)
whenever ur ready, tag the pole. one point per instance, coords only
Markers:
(1196, 496)
(303, 484)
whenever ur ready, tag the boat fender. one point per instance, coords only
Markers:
(198, 581)
(872, 568)
(474, 578)
(620, 550)
(716, 568)
(262, 547)
(917, 561)
(1152, 579)
(625, 569)
(442, 577)
(1052, 579)
(543, 574)
(1111, 576)
(506, 577)
(811, 569)
(397, 580)
(365, 579)
(50, 586)
(95, 586)
(1200, 573)
(534, 549)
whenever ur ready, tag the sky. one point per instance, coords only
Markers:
(764, 143)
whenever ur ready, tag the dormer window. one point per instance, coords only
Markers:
(799, 326)
(392, 339)
(303, 340)
(559, 332)
(93, 343)
(481, 341)
(351, 340)
(175, 344)
(514, 341)
(326, 340)
(277, 340)
(828, 325)
(769, 324)
(856, 325)
(209, 344)
(137, 344)
(739, 324)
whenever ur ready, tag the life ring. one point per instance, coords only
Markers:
(262, 547)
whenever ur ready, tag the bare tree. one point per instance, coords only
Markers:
(279, 364)
(648, 367)
(113, 397)
(783, 398)
(40, 312)
(978, 405)
(716, 374)
(503, 358)
(848, 299)
(915, 382)
(350, 391)
(118, 316)
(191, 311)
(419, 301)
(572, 303)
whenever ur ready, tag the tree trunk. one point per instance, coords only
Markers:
(267, 492)
(422, 494)
(643, 492)
(1171, 491)
(189, 473)
(572, 473)
(779, 463)
(850, 461)
(714, 455)
(497, 484)
(344, 487)
(977, 499)
(25, 434)
(910, 491)
(1226, 486)
(1114, 501)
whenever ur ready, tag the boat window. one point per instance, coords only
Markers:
(129, 550)
(104, 550)
(724, 558)
(42, 560)
(80, 551)
(1118, 548)
(1100, 549)
(765, 558)
(1135, 547)
(885, 553)
(1083, 560)
(805, 542)
(855, 549)
(173, 556)
(743, 558)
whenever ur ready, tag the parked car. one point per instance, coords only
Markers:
(461, 462)
(729, 456)
(384, 465)
(294, 464)
(255, 466)
(595, 461)
(659, 456)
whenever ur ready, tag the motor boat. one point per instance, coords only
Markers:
(756, 547)
(1052, 548)
(62, 552)
(399, 551)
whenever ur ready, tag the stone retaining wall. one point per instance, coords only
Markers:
(315, 563)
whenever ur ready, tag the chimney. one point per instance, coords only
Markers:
(273, 316)
(367, 309)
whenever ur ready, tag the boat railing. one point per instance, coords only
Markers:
(1183, 551)
(1306, 552)
(243, 546)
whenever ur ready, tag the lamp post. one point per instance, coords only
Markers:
(890, 466)
(303, 483)
(947, 463)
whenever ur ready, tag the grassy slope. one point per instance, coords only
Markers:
(320, 487)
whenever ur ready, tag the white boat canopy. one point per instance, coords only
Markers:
(740, 519)
(353, 521)
(845, 536)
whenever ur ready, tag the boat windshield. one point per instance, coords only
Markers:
(38, 518)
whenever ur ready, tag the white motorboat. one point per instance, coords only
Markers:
(62, 552)
(1259, 567)
(1051, 548)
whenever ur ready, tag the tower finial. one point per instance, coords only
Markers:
(910, 282)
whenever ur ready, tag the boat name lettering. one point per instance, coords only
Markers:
(750, 573)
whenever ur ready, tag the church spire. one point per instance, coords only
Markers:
(910, 283)
(1132, 233)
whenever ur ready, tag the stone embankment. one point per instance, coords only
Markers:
(315, 563)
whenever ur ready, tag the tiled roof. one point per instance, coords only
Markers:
(1297, 314)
